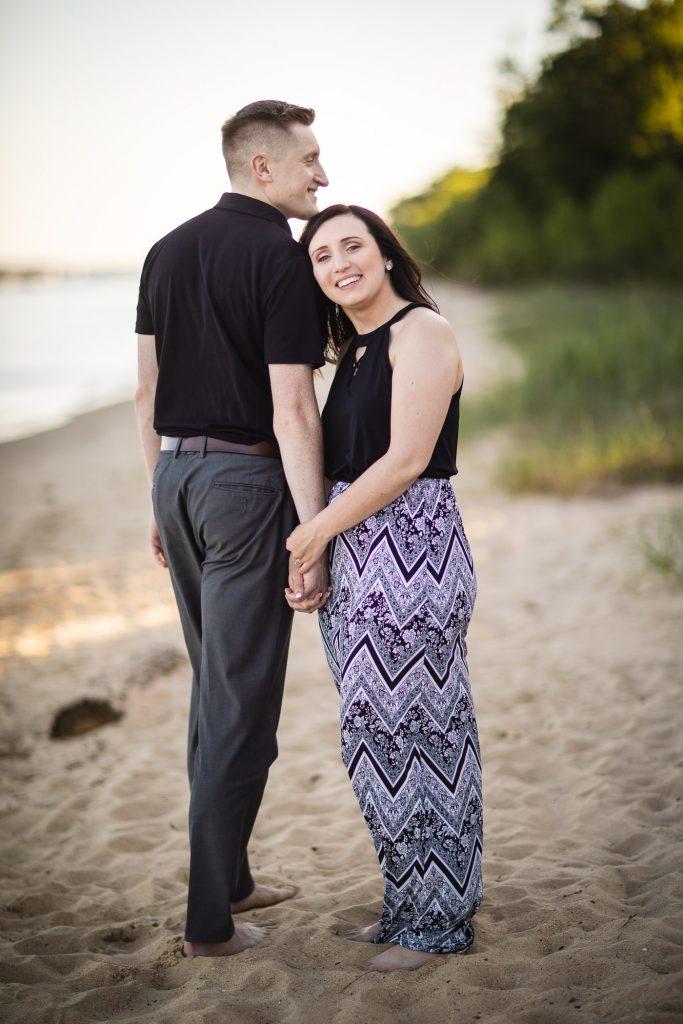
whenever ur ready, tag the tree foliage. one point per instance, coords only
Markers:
(613, 100)
(598, 130)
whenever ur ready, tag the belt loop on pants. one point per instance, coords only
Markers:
(177, 448)
(202, 450)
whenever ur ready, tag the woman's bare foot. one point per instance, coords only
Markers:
(246, 936)
(397, 958)
(264, 896)
(365, 933)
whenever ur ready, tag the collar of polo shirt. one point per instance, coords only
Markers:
(245, 204)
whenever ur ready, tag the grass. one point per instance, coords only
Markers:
(601, 396)
(662, 545)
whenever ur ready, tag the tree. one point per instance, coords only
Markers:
(589, 178)
(613, 100)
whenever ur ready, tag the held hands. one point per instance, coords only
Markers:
(310, 591)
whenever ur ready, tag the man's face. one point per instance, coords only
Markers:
(296, 174)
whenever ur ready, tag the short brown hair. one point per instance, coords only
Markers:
(247, 128)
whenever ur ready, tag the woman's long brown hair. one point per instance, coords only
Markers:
(405, 275)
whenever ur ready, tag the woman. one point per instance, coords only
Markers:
(403, 585)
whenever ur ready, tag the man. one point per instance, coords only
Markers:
(228, 335)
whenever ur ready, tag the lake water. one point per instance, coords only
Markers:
(67, 345)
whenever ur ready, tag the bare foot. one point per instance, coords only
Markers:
(364, 933)
(264, 896)
(397, 958)
(246, 936)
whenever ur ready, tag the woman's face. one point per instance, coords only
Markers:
(347, 262)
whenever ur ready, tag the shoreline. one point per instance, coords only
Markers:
(68, 418)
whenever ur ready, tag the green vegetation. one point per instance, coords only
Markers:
(601, 396)
(587, 186)
(588, 182)
(662, 542)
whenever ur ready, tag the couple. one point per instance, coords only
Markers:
(231, 324)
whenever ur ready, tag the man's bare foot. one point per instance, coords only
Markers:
(246, 935)
(397, 958)
(364, 933)
(264, 896)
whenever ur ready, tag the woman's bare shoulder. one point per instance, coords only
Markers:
(424, 323)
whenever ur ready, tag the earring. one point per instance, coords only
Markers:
(389, 265)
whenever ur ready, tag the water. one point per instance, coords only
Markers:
(67, 345)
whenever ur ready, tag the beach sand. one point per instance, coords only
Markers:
(575, 659)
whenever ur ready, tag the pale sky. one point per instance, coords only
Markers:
(111, 109)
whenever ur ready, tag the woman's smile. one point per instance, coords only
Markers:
(346, 282)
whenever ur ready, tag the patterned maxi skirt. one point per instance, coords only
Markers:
(403, 588)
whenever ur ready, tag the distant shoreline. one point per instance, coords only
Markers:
(20, 274)
(68, 346)
(64, 421)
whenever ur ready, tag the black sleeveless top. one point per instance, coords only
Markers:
(357, 415)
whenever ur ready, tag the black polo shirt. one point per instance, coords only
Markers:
(224, 295)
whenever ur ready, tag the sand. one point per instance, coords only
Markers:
(575, 657)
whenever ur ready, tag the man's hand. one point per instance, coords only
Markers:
(157, 546)
(313, 586)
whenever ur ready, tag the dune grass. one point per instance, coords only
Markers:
(600, 399)
(662, 545)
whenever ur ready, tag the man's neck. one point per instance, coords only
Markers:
(242, 189)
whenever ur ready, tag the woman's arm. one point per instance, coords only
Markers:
(426, 370)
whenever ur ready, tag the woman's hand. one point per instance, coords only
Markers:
(306, 544)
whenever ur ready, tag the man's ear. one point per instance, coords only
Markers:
(260, 165)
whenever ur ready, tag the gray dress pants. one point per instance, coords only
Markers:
(223, 520)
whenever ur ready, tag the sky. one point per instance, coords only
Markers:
(110, 110)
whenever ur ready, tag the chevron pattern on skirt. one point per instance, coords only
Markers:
(394, 634)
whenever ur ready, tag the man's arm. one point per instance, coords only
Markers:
(296, 423)
(144, 410)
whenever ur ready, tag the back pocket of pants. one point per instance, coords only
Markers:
(249, 488)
